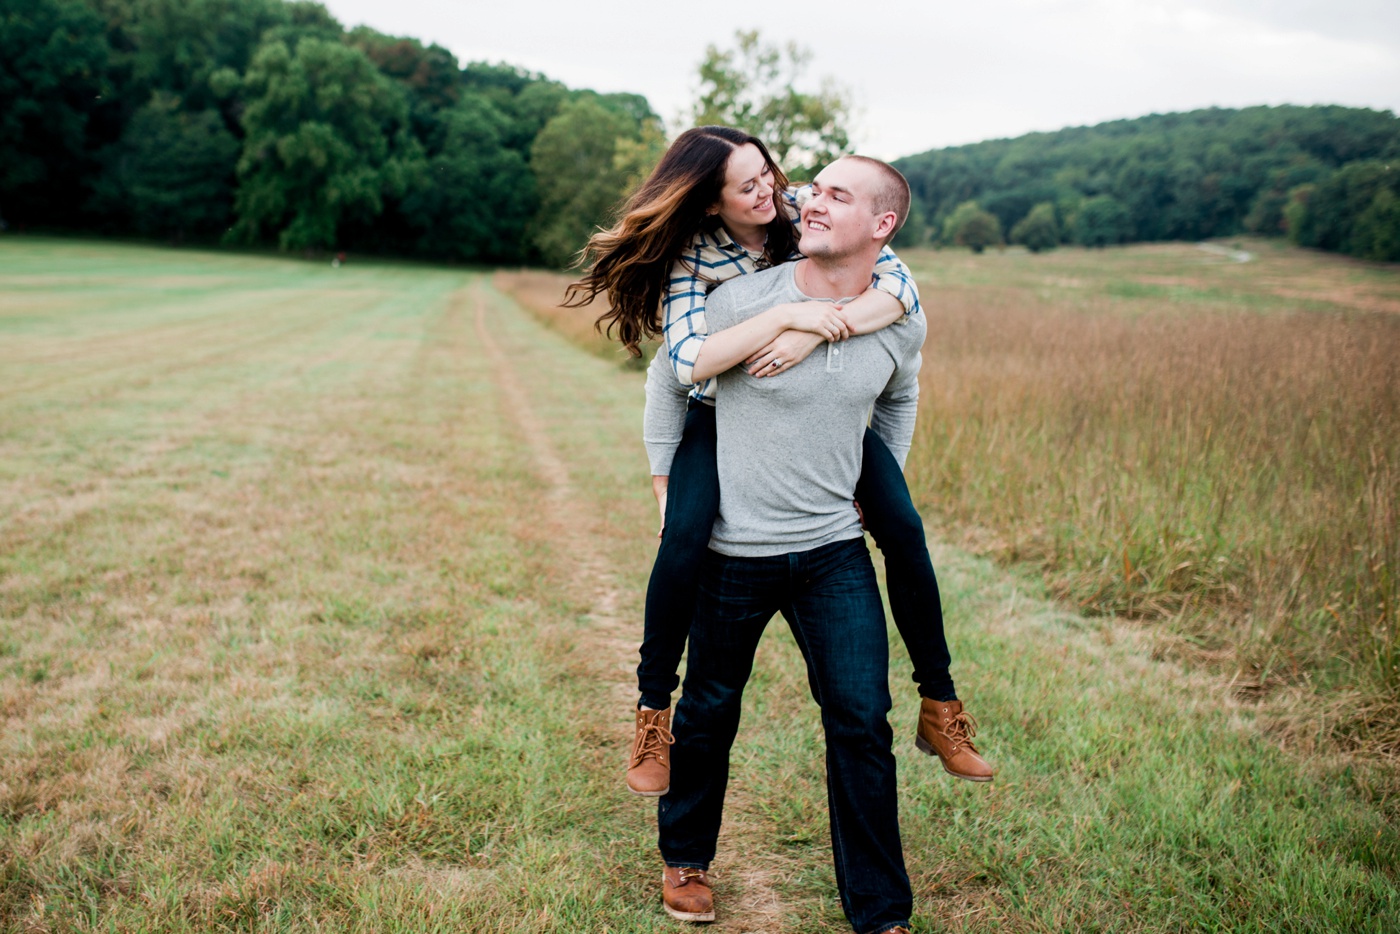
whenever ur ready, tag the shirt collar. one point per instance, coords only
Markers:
(724, 241)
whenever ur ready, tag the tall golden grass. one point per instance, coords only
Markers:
(1228, 468)
(1206, 446)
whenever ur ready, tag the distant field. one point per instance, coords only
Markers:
(1181, 438)
(319, 597)
(1178, 437)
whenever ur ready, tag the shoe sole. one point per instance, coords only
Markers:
(692, 916)
(927, 748)
(649, 794)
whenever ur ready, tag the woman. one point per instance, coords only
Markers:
(710, 211)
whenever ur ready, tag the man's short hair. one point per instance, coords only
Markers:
(891, 191)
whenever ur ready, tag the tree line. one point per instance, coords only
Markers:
(267, 122)
(1326, 176)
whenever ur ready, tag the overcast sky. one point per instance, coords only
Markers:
(931, 73)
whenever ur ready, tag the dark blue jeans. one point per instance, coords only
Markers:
(692, 502)
(832, 604)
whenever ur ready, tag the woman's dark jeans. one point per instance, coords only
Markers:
(692, 502)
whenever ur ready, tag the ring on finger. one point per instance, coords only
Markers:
(777, 362)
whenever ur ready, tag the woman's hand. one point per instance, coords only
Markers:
(822, 318)
(784, 352)
(658, 489)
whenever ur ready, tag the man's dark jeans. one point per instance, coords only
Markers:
(691, 507)
(829, 597)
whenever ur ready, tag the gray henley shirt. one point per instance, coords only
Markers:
(790, 445)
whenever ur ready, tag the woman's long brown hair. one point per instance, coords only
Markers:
(631, 262)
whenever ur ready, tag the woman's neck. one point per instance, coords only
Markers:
(750, 238)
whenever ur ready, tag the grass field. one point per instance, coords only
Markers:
(1169, 435)
(1209, 446)
(319, 594)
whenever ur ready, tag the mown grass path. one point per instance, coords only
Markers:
(319, 593)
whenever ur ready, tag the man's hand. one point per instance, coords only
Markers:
(783, 353)
(860, 513)
(658, 489)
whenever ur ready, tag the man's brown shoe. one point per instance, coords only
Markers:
(649, 769)
(946, 731)
(686, 894)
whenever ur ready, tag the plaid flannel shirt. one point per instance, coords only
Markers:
(713, 257)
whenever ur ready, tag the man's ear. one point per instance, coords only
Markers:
(886, 226)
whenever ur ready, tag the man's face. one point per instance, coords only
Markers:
(840, 220)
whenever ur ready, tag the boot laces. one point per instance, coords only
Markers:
(960, 729)
(652, 740)
(688, 874)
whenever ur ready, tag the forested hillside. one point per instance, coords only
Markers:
(267, 122)
(1328, 177)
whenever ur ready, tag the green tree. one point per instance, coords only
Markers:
(1348, 210)
(326, 142)
(915, 231)
(1376, 233)
(972, 227)
(1266, 214)
(530, 100)
(1102, 220)
(172, 173)
(580, 176)
(1297, 221)
(754, 87)
(53, 70)
(475, 196)
(178, 45)
(430, 73)
(307, 20)
(1178, 176)
(1037, 230)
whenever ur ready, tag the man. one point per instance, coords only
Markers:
(788, 539)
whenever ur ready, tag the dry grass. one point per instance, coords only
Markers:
(257, 539)
(1185, 440)
(541, 292)
(318, 614)
(1178, 438)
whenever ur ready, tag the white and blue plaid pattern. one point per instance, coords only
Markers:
(711, 258)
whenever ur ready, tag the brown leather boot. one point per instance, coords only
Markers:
(946, 731)
(649, 769)
(686, 895)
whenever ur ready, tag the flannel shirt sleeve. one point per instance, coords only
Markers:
(683, 314)
(892, 276)
(793, 197)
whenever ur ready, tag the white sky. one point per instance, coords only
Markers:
(931, 73)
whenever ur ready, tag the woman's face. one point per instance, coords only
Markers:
(747, 198)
